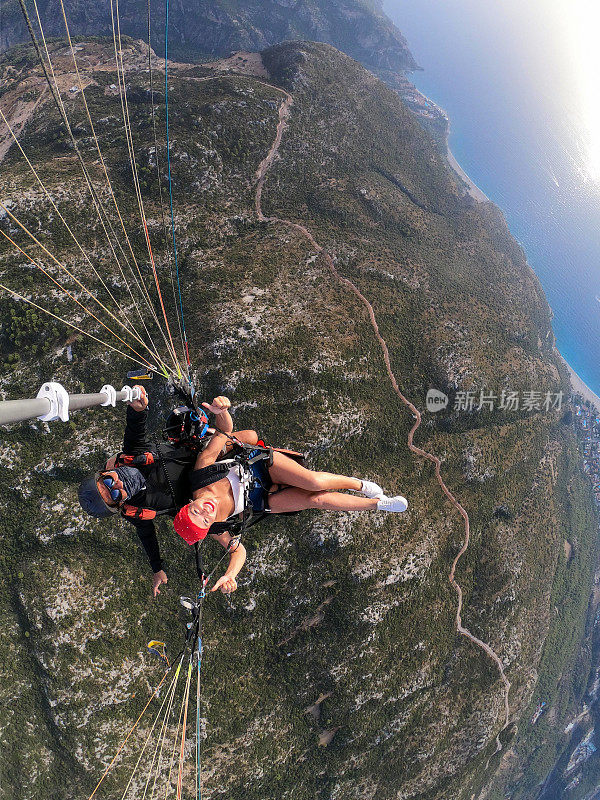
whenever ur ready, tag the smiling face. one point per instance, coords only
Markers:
(203, 512)
(105, 491)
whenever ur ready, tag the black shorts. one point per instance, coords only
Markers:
(261, 483)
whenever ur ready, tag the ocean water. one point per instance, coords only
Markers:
(515, 80)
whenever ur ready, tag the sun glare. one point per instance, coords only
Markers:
(582, 19)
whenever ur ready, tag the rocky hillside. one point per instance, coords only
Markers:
(204, 28)
(336, 669)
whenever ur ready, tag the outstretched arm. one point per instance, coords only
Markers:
(209, 455)
(227, 583)
(135, 439)
(147, 533)
(220, 408)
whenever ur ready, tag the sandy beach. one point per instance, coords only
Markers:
(420, 104)
(578, 386)
(472, 188)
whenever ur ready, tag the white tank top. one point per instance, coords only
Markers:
(239, 481)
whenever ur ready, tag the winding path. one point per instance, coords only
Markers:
(261, 174)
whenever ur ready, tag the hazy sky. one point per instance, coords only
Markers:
(520, 80)
(547, 50)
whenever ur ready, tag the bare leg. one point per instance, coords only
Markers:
(288, 472)
(248, 436)
(299, 500)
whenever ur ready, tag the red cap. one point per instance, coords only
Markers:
(187, 528)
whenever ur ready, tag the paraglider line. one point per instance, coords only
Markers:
(116, 755)
(185, 341)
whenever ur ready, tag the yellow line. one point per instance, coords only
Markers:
(174, 746)
(143, 750)
(127, 737)
(159, 745)
(70, 274)
(70, 324)
(54, 206)
(168, 252)
(62, 288)
(84, 168)
(183, 732)
(114, 11)
(141, 285)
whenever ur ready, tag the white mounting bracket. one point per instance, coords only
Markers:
(130, 393)
(59, 402)
(127, 393)
(111, 392)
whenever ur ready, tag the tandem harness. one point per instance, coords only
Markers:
(170, 462)
(255, 461)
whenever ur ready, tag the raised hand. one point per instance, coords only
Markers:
(218, 405)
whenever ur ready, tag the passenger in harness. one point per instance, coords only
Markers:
(149, 479)
(234, 492)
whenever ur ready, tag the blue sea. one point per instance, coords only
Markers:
(512, 78)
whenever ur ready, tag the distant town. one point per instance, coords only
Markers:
(588, 427)
(424, 107)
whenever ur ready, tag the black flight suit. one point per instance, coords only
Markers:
(176, 462)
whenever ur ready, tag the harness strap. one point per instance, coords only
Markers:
(200, 478)
(236, 526)
(139, 460)
(264, 454)
(199, 563)
(138, 512)
(135, 512)
(245, 455)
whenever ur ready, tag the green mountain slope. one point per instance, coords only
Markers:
(201, 28)
(336, 671)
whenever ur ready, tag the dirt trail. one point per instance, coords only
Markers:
(261, 173)
(22, 115)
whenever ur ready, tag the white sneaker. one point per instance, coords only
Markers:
(396, 504)
(371, 489)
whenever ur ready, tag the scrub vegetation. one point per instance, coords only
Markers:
(355, 608)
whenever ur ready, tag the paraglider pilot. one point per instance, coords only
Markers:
(140, 486)
(209, 493)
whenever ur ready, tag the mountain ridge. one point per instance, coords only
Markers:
(217, 27)
(355, 613)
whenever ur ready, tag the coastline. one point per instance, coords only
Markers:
(578, 386)
(433, 114)
(421, 105)
(472, 188)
